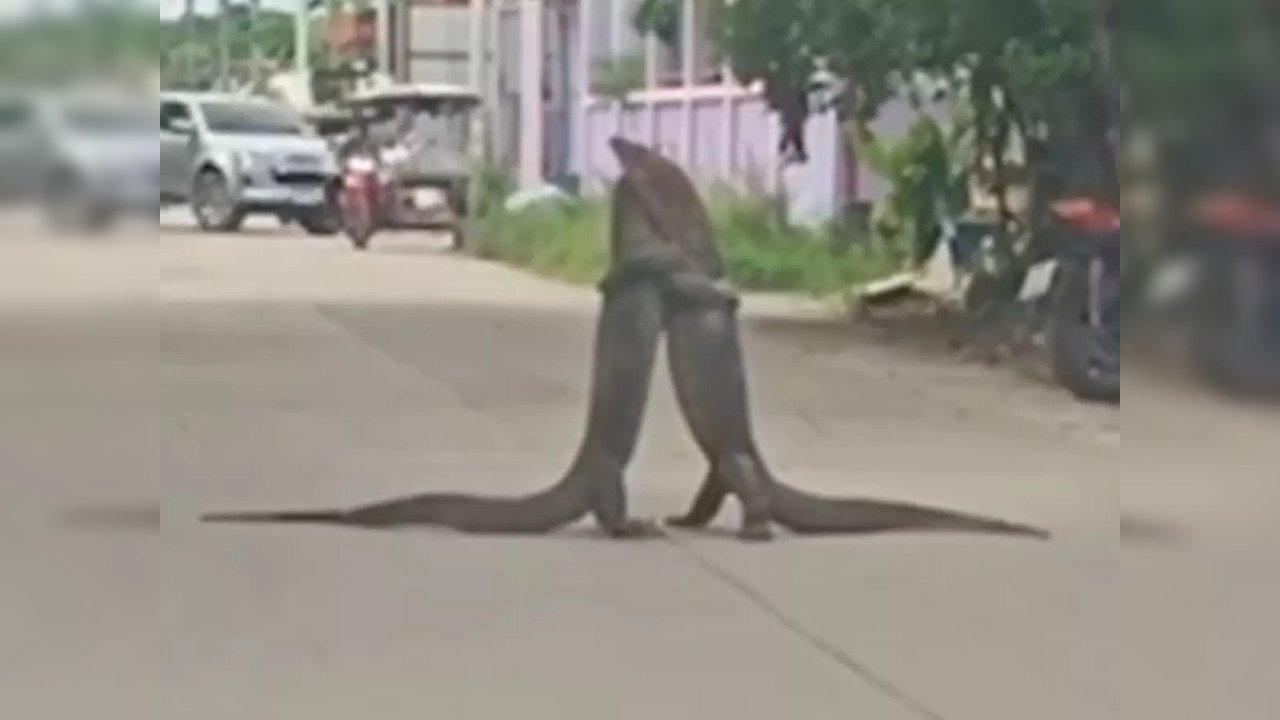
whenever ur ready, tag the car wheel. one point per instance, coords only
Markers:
(214, 205)
(321, 221)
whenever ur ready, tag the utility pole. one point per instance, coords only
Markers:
(478, 53)
(382, 34)
(255, 51)
(302, 40)
(1105, 46)
(532, 59)
(224, 45)
(188, 39)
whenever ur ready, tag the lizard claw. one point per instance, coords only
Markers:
(635, 529)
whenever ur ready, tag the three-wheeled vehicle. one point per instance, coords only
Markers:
(424, 166)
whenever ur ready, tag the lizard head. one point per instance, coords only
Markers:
(629, 154)
(670, 201)
(639, 159)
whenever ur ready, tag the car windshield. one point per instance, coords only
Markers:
(251, 118)
(108, 118)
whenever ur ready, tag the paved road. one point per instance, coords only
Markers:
(195, 373)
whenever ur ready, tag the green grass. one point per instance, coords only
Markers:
(568, 241)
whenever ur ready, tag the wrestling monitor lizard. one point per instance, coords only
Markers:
(708, 372)
(643, 277)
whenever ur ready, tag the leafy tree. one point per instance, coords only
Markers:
(100, 38)
(1190, 81)
(189, 46)
(929, 170)
(659, 17)
(1026, 69)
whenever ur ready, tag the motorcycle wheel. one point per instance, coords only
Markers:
(359, 234)
(358, 224)
(1085, 358)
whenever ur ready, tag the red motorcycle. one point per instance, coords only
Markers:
(360, 195)
(1074, 296)
(1084, 327)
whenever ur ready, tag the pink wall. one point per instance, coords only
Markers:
(731, 139)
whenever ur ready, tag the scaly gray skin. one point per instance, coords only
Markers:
(643, 276)
(707, 369)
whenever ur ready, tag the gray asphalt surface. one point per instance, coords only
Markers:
(191, 373)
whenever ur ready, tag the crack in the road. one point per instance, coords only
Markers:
(849, 663)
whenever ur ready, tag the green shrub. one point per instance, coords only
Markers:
(494, 185)
(564, 240)
(568, 240)
(764, 253)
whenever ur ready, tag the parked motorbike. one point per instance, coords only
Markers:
(360, 196)
(1236, 294)
(1077, 293)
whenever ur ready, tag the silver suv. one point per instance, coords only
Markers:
(230, 156)
(86, 156)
